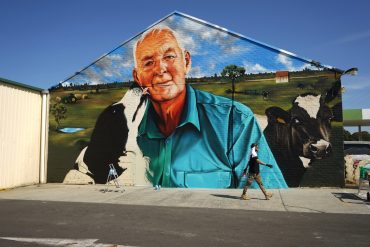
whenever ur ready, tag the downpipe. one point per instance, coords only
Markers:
(44, 136)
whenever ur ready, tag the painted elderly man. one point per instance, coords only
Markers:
(186, 133)
(181, 137)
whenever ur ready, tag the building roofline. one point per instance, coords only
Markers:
(22, 85)
(290, 54)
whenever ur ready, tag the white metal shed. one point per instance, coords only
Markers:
(23, 134)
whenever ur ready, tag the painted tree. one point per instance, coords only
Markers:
(233, 72)
(59, 111)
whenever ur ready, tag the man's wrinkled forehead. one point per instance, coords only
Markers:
(160, 39)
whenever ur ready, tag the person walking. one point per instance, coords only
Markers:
(254, 173)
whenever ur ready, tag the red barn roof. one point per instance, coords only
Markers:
(282, 73)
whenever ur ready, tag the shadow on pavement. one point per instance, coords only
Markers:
(111, 190)
(350, 198)
(234, 197)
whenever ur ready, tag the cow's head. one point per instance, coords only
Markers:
(134, 103)
(305, 128)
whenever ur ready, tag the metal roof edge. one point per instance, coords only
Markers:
(18, 84)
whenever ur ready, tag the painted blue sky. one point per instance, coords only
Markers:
(44, 42)
(211, 49)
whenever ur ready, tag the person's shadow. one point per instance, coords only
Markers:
(234, 197)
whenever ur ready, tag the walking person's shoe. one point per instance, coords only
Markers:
(244, 197)
(268, 195)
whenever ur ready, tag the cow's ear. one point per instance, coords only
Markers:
(280, 120)
(276, 115)
(332, 92)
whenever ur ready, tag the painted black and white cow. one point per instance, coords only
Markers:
(113, 141)
(300, 135)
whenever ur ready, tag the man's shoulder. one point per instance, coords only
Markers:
(209, 99)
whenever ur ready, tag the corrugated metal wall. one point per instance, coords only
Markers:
(20, 131)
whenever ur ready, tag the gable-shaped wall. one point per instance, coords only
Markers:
(299, 121)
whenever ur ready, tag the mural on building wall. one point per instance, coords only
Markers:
(180, 104)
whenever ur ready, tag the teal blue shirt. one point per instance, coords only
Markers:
(200, 153)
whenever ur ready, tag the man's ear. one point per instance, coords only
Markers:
(134, 75)
(187, 61)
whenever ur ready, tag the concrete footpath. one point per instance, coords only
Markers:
(314, 200)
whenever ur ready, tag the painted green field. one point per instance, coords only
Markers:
(281, 94)
(64, 148)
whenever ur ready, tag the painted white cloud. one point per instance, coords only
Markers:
(104, 70)
(307, 66)
(92, 76)
(254, 68)
(66, 84)
(197, 72)
(235, 49)
(211, 65)
(107, 66)
(112, 65)
(187, 42)
(116, 66)
(287, 62)
(190, 30)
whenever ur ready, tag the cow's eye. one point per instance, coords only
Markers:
(328, 119)
(296, 120)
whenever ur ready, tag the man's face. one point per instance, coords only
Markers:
(161, 66)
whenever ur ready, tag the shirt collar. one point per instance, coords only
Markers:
(189, 116)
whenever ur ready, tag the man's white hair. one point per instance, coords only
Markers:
(155, 31)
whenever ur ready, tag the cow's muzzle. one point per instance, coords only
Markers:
(320, 149)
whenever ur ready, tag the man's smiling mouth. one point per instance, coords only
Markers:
(163, 84)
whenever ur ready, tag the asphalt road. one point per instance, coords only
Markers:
(45, 223)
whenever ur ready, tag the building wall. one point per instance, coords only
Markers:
(20, 135)
(282, 79)
(300, 122)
